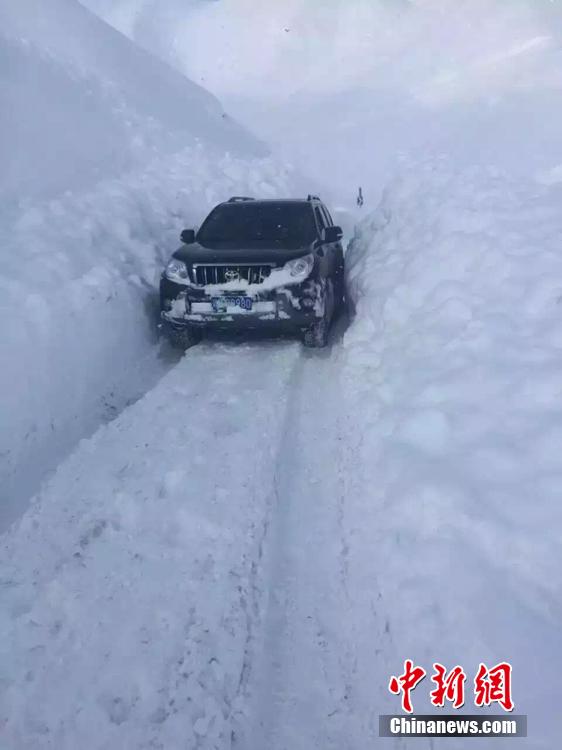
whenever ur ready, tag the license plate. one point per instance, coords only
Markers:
(221, 304)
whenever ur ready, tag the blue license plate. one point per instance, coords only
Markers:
(221, 304)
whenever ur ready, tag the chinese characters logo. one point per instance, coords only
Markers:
(490, 685)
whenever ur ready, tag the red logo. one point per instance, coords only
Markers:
(407, 682)
(494, 686)
(450, 686)
(490, 685)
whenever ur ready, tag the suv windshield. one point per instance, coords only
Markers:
(289, 224)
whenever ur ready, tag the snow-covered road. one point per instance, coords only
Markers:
(198, 548)
(129, 591)
(307, 689)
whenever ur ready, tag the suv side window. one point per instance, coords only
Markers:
(320, 220)
(329, 222)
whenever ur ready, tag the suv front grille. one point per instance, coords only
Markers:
(210, 273)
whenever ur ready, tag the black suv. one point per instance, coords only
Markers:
(256, 264)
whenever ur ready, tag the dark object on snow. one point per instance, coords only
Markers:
(256, 264)
(360, 200)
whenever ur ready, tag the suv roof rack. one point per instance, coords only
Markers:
(313, 198)
(239, 199)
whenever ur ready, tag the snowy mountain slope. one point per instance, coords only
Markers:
(415, 45)
(82, 102)
(107, 154)
(477, 80)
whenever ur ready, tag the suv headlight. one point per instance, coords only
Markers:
(301, 268)
(176, 270)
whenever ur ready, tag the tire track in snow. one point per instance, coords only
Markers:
(302, 693)
(320, 674)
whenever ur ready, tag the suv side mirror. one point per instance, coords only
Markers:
(188, 236)
(333, 234)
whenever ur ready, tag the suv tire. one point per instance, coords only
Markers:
(184, 338)
(316, 337)
(339, 287)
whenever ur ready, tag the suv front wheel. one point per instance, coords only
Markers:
(340, 285)
(184, 338)
(316, 337)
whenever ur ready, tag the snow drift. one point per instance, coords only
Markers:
(455, 360)
(107, 154)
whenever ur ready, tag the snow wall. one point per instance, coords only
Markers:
(455, 357)
(107, 153)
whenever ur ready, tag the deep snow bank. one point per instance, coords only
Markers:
(455, 359)
(106, 153)
(78, 278)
